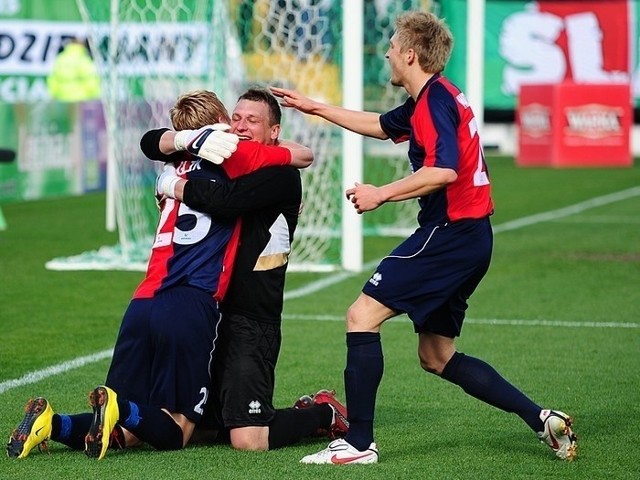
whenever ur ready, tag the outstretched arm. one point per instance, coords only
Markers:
(364, 123)
(164, 145)
(155, 148)
(301, 156)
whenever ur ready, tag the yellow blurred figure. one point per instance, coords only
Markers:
(74, 77)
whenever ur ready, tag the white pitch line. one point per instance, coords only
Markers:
(503, 227)
(325, 282)
(488, 321)
(33, 377)
(567, 211)
(614, 219)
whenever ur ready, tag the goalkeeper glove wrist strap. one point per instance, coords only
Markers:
(168, 185)
(181, 139)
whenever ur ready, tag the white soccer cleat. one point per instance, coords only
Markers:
(340, 452)
(558, 434)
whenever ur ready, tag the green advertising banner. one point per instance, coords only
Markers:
(61, 147)
(545, 41)
(62, 151)
(525, 42)
(44, 133)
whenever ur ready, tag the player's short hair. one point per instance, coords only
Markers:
(428, 35)
(263, 95)
(196, 109)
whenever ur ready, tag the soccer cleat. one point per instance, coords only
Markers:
(34, 429)
(305, 401)
(340, 452)
(104, 403)
(558, 434)
(339, 423)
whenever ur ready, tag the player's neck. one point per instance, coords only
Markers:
(416, 82)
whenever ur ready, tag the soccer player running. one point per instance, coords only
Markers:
(430, 275)
(269, 203)
(159, 378)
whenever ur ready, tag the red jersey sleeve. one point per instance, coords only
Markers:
(250, 156)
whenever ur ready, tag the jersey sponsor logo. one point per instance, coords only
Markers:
(375, 279)
(188, 166)
(255, 407)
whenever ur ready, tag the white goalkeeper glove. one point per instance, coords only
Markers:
(166, 181)
(212, 142)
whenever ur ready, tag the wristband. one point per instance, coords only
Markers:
(168, 185)
(181, 139)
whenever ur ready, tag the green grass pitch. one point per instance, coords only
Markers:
(558, 314)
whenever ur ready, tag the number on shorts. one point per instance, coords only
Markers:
(205, 394)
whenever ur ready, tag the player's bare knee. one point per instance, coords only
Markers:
(366, 314)
(354, 318)
(430, 367)
(252, 439)
(361, 318)
(431, 364)
(248, 444)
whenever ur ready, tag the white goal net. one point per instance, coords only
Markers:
(151, 51)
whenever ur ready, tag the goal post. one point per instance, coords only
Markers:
(150, 51)
(352, 144)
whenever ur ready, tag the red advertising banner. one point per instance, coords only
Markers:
(548, 41)
(574, 125)
(596, 38)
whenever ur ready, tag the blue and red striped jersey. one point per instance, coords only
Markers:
(190, 247)
(442, 132)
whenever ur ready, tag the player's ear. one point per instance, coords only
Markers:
(411, 56)
(275, 132)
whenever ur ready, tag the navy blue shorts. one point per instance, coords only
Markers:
(164, 351)
(431, 275)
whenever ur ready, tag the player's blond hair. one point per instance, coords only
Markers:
(196, 109)
(428, 35)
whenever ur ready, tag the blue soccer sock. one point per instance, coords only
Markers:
(70, 430)
(151, 425)
(480, 380)
(362, 376)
